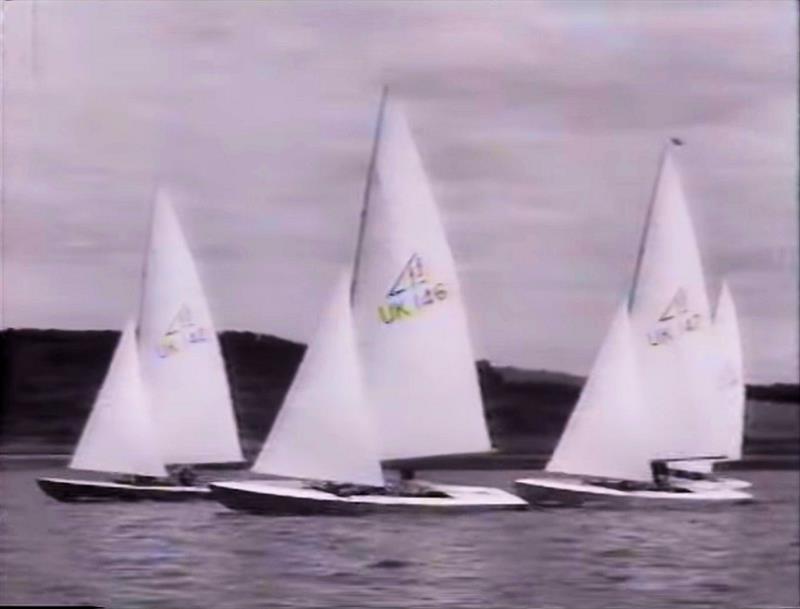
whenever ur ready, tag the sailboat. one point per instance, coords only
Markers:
(165, 400)
(652, 398)
(390, 372)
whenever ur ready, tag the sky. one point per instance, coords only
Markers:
(540, 125)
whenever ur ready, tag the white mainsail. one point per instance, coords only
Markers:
(670, 319)
(604, 435)
(411, 325)
(730, 378)
(119, 435)
(324, 430)
(181, 360)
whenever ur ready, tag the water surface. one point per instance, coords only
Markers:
(199, 554)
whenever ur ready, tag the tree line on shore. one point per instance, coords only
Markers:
(50, 379)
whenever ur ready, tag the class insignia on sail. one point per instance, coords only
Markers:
(411, 293)
(182, 332)
(677, 318)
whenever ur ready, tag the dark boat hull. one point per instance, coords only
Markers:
(291, 498)
(65, 490)
(575, 492)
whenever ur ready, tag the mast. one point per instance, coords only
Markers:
(146, 258)
(367, 188)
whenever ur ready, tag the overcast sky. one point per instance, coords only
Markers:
(540, 124)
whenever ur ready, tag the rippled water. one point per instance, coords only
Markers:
(199, 554)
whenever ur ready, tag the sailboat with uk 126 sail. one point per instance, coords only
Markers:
(390, 372)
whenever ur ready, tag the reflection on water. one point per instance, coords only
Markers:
(201, 555)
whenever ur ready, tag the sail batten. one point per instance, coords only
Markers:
(324, 429)
(119, 436)
(411, 325)
(182, 363)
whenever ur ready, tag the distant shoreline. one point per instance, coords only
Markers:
(51, 379)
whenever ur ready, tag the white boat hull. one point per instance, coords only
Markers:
(293, 498)
(67, 490)
(565, 492)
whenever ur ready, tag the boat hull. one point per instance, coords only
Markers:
(574, 492)
(93, 490)
(278, 498)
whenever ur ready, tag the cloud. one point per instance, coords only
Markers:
(540, 125)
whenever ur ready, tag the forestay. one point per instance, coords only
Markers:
(324, 430)
(670, 320)
(119, 436)
(181, 360)
(410, 320)
(605, 435)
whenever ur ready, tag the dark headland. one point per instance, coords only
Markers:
(51, 377)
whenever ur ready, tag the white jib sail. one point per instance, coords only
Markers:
(730, 377)
(410, 320)
(605, 435)
(180, 354)
(324, 429)
(119, 435)
(670, 320)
